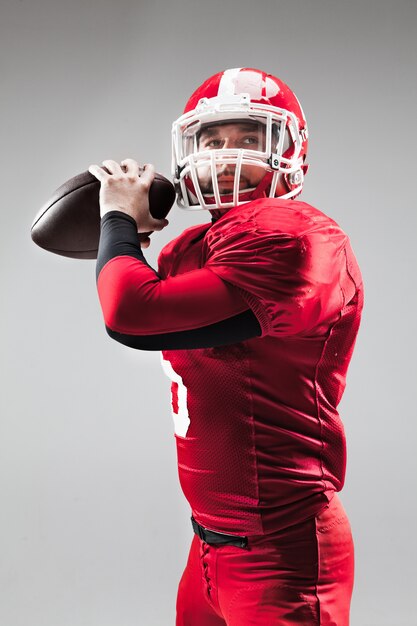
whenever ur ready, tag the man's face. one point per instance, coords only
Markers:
(238, 135)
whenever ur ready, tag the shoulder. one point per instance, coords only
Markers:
(281, 219)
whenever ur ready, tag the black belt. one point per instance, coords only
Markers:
(219, 539)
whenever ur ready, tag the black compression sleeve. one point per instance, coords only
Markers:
(118, 237)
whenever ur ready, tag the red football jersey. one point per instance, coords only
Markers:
(259, 440)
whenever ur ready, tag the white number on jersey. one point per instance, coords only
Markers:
(181, 418)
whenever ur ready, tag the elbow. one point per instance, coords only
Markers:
(114, 315)
(113, 306)
(117, 315)
(130, 314)
(112, 298)
(129, 300)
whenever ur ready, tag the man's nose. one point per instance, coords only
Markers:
(228, 143)
(227, 169)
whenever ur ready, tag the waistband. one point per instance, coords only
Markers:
(218, 539)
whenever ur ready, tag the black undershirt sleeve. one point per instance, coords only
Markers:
(119, 238)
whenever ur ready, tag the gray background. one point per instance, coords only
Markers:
(93, 528)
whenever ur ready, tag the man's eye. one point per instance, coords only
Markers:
(250, 141)
(214, 143)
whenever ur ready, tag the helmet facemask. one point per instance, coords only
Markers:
(229, 151)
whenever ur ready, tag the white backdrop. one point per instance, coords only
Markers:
(94, 528)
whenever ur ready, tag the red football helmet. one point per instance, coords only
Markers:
(242, 136)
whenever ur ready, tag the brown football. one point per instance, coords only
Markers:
(69, 222)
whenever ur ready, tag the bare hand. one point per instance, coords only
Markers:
(125, 188)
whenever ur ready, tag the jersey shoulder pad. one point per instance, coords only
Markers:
(286, 258)
(291, 216)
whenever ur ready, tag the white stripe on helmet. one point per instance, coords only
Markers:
(227, 82)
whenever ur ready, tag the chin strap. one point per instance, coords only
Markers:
(260, 190)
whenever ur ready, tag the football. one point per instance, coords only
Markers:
(69, 222)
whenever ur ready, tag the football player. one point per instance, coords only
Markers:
(256, 313)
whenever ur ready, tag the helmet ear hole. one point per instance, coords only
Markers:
(294, 180)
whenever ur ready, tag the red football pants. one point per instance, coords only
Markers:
(299, 576)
